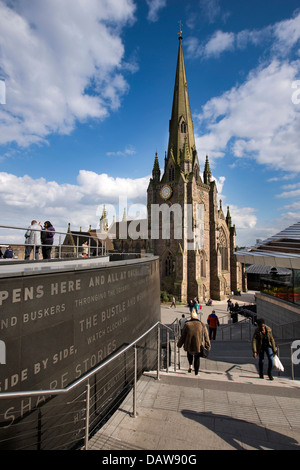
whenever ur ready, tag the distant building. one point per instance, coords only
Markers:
(279, 260)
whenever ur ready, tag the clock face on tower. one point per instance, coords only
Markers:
(166, 192)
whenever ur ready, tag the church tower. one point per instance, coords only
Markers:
(188, 231)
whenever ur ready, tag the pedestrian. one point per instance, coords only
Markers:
(47, 239)
(263, 342)
(33, 240)
(213, 323)
(182, 322)
(228, 304)
(194, 335)
(191, 306)
(85, 249)
(196, 306)
(8, 253)
(173, 304)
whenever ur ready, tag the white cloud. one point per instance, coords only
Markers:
(154, 7)
(70, 67)
(243, 217)
(280, 38)
(218, 43)
(121, 153)
(25, 198)
(247, 122)
(214, 47)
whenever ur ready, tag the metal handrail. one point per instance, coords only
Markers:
(59, 391)
(59, 245)
(88, 375)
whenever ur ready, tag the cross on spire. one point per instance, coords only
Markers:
(180, 32)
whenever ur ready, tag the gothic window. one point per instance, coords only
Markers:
(223, 250)
(171, 173)
(183, 127)
(202, 264)
(169, 265)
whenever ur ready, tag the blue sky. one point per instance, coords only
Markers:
(89, 88)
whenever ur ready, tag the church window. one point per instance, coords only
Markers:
(169, 265)
(223, 250)
(183, 127)
(171, 173)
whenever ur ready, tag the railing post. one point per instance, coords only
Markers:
(168, 352)
(158, 352)
(292, 363)
(87, 416)
(134, 382)
(59, 247)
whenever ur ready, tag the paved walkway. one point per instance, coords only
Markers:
(225, 407)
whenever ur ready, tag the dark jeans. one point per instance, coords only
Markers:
(46, 250)
(270, 356)
(196, 358)
(212, 333)
(28, 250)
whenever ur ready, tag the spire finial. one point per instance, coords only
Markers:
(180, 32)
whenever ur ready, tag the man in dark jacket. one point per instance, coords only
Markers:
(194, 335)
(213, 323)
(263, 342)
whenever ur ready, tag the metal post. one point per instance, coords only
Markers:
(59, 249)
(134, 382)
(292, 363)
(175, 355)
(158, 352)
(168, 353)
(87, 416)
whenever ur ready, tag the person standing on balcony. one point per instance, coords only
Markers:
(47, 239)
(263, 342)
(33, 240)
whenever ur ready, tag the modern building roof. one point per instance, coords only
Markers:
(280, 250)
(259, 269)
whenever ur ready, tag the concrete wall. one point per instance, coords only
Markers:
(59, 320)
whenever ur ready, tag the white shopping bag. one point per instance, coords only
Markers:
(277, 364)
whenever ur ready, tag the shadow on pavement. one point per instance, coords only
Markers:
(241, 434)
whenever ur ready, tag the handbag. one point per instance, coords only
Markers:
(277, 364)
(203, 350)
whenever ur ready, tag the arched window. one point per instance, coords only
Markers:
(169, 265)
(183, 127)
(171, 173)
(223, 251)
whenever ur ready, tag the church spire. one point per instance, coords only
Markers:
(228, 218)
(207, 172)
(156, 169)
(181, 132)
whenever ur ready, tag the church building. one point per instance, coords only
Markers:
(186, 225)
(197, 258)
